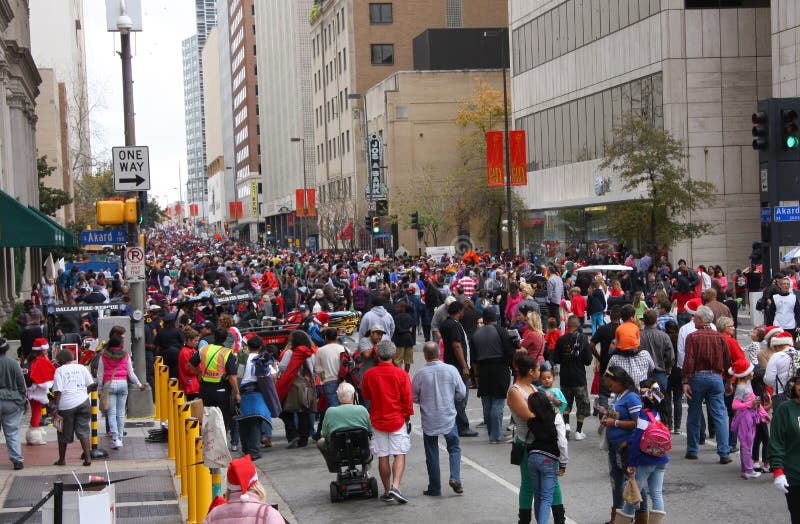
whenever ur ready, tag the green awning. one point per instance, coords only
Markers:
(23, 226)
(69, 238)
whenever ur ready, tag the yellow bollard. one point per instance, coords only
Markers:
(183, 415)
(202, 482)
(192, 433)
(169, 413)
(177, 399)
(166, 396)
(158, 392)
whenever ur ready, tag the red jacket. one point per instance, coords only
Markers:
(187, 379)
(388, 388)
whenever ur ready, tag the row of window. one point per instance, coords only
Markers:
(324, 37)
(237, 39)
(237, 81)
(579, 130)
(241, 135)
(237, 101)
(336, 190)
(336, 147)
(240, 116)
(237, 18)
(237, 60)
(332, 107)
(336, 65)
(571, 25)
(241, 155)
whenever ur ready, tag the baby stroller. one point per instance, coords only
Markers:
(349, 457)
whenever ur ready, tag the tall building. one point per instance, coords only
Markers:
(697, 67)
(286, 112)
(216, 210)
(192, 47)
(63, 109)
(245, 109)
(355, 44)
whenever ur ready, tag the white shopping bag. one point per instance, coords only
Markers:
(97, 507)
(215, 440)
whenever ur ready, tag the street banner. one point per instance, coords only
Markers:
(311, 202)
(519, 162)
(494, 159)
(300, 202)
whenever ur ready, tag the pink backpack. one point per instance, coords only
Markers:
(656, 440)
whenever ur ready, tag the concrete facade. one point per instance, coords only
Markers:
(343, 35)
(700, 71)
(212, 122)
(51, 137)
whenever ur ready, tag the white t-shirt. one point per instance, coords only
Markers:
(784, 310)
(71, 380)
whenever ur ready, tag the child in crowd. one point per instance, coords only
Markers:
(557, 398)
(749, 413)
(553, 333)
(639, 304)
(752, 349)
(761, 441)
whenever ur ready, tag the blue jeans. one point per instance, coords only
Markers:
(493, 415)
(616, 474)
(597, 321)
(431, 443)
(117, 396)
(330, 393)
(708, 387)
(10, 420)
(544, 473)
(650, 479)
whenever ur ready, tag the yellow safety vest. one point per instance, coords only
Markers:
(212, 362)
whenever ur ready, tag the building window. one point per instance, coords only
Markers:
(382, 54)
(380, 13)
(454, 13)
(717, 4)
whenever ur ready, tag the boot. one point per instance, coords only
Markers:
(640, 517)
(559, 515)
(613, 515)
(622, 518)
(657, 517)
(524, 516)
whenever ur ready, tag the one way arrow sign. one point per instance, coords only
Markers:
(131, 168)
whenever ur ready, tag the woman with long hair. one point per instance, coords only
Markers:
(294, 385)
(619, 421)
(517, 400)
(533, 337)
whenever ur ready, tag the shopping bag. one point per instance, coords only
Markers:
(196, 409)
(215, 441)
(97, 507)
(105, 397)
(632, 494)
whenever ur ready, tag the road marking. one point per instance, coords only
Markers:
(500, 480)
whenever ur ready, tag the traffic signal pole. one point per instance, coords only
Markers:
(140, 403)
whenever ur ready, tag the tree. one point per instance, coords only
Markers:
(155, 214)
(89, 188)
(428, 196)
(332, 217)
(50, 199)
(645, 157)
(469, 195)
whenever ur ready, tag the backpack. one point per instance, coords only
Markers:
(348, 371)
(794, 365)
(656, 440)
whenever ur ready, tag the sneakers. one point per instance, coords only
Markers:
(396, 495)
(19, 465)
(386, 497)
(579, 435)
(676, 431)
(725, 460)
(116, 444)
(481, 425)
(753, 475)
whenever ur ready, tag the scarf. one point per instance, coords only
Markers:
(299, 356)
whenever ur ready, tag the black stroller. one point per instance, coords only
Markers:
(349, 457)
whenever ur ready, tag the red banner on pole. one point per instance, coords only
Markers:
(311, 202)
(300, 202)
(239, 210)
(494, 159)
(232, 210)
(518, 153)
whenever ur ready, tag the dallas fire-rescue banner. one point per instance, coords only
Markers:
(494, 159)
(519, 162)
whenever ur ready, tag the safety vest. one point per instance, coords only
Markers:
(212, 362)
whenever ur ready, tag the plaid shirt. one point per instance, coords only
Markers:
(706, 350)
(637, 364)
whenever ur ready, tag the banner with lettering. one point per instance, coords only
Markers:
(519, 162)
(494, 159)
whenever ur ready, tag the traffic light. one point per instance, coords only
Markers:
(376, 224)
(269, 230)
(110, 212)
(415, 220)
(132, 211)
(225, 226)
(790, 128)
(760, 130)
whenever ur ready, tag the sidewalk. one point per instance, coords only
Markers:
(150, 499)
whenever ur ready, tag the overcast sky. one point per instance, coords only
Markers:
(157, 92)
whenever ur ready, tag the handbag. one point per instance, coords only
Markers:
(518, 450)
(632, 494)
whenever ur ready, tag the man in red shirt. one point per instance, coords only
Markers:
(388, 388)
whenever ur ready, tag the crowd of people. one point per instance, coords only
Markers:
(625, 346)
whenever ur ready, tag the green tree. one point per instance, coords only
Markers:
(651, 159)
(50, 199)
(468, 189)
(155, 214)
(424, 194)
(89, 188)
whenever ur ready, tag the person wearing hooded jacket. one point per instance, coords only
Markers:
(377, 316)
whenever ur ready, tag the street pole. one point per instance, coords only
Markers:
(140, 403)
(509, 215)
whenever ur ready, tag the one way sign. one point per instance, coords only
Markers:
(131, 168)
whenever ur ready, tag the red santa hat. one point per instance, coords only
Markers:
(242, 476)
(741, 368)
(771, 331)
(692, 305)
(781, 339)
(40, 344)
(323, 317)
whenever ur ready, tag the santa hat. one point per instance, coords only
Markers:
(692, 305)
(771, 331)
(40, 344)
(323, 317)
(242, 476)
(741, 368)
(781, 339)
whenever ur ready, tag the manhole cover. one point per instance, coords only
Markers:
(672, 488)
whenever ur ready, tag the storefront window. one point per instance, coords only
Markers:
(555, 233)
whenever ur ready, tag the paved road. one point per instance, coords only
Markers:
(695, 491)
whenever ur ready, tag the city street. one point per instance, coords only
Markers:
(694, 491)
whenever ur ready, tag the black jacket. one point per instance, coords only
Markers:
(573, 354)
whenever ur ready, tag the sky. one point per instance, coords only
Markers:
(157, 88)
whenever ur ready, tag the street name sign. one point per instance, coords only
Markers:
(134, 264)
(131, 168)
(787, 214)
(108, 236)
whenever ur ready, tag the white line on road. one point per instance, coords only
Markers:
(474, 465)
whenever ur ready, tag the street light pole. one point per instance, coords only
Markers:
(302, 219)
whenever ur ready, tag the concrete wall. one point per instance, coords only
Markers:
(48, 131)
(212, 97)
(785, 45)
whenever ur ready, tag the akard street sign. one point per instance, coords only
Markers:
(131, 168)
(108, 236)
